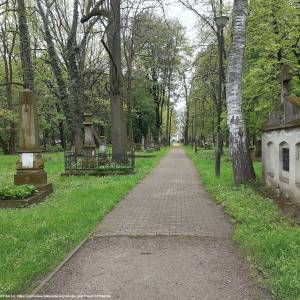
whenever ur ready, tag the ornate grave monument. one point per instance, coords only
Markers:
(92, 163)
(30, 164)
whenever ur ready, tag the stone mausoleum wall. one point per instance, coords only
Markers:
(274, 145)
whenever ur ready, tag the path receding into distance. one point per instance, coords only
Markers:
(166, 240)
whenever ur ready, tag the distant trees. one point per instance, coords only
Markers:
(89, 56)
(163, 44)
(8, 40)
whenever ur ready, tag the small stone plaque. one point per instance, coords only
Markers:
(27, 160)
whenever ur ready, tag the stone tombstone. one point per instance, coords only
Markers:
(143, 144)
(30, 164)
(89, 141)
(89, 146)
(102, 141)
(102, 145)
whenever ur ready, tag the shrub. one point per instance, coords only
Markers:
(16, 192)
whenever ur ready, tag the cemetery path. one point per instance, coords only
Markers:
(166, 240)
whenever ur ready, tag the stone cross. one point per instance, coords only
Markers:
(30, 164)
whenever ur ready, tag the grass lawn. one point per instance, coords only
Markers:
(34, 240)
(269, 240)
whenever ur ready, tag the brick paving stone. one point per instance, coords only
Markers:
(169, 201)
(166, 240)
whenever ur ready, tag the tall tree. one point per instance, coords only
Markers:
(119, 143)
(25, 48)
(241, 160)
(8, 37)
(112, 11)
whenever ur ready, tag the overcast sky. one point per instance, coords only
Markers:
(186, 17)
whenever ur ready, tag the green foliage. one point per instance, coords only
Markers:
(272, 39)
(270, 241)
(16, 192)
(203, 95)
(34, 240)
(144, 109)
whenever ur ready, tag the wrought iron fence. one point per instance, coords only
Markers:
(99, 164)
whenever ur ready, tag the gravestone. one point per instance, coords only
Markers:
(143, 145)
(89, 146)
(30, 164)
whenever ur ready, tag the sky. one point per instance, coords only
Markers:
(186, 17)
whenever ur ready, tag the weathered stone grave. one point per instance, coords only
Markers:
(281, 142)
(30, 163)
(91, 162)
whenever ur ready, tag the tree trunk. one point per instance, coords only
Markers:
(129, 103)
(4, 146)
(219, 104)
(25, 49)
(62, 135)
(54, 62)
(168, 120)
(241, 161)
(187, 113)
(8, 76)
(119, 145)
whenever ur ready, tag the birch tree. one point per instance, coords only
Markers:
(241, 161)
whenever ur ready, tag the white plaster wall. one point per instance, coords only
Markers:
(291, 187)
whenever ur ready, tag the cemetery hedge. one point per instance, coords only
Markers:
(35, 239)
(270, 241)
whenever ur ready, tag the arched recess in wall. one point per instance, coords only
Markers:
(284, 161)
(270, 159)
(297, 164)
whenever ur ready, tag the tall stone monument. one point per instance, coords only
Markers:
(89, 147)
(30, 164)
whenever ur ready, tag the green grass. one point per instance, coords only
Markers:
(270, 241)
(34, 240)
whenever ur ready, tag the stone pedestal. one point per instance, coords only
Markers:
(30, 164)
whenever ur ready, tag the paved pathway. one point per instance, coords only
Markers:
(166, 240)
